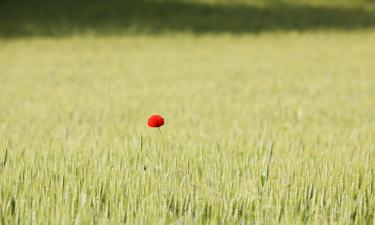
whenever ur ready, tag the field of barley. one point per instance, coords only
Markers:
(271, 124)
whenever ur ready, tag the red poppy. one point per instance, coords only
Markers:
(155, 121)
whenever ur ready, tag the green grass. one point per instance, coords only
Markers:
(75, 148)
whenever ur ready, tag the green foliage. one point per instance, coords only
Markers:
(24, 18)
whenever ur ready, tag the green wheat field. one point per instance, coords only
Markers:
(263, 127)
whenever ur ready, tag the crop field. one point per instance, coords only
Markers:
(75, 147)
(269, 111)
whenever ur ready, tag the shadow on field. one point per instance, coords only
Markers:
(22, 18)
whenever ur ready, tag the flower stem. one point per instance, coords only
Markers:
(162, 138)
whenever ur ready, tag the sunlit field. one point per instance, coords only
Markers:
(270, 128)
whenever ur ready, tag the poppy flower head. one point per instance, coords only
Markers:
(155, 121)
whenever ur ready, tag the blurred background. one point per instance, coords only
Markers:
(88, 60)
(22, 18)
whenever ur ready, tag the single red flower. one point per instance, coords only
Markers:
(155, 121)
